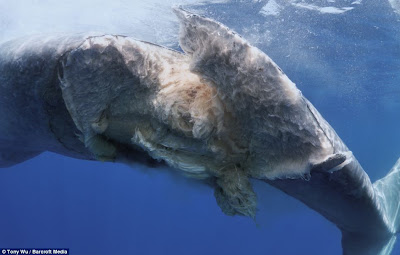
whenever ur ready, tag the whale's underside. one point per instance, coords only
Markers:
(222, 112)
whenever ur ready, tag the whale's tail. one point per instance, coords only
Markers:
(387, 198)
(378, 239)
(387, 191)
(367, 214)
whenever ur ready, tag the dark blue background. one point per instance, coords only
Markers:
(101, 208)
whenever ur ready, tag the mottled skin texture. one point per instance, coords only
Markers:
(222, 111)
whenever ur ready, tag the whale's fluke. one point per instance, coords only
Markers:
(366, 213)
(387, 191)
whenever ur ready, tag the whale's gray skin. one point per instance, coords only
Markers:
(28, 94)
(33, 115)
(222, 111)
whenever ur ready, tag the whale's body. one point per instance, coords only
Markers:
(221, 111)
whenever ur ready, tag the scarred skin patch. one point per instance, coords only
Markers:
(191, 110)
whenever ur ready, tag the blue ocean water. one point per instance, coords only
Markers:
(343, 55)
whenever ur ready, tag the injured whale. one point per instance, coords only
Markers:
(220, 111)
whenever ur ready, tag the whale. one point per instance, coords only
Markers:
(220, 111)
